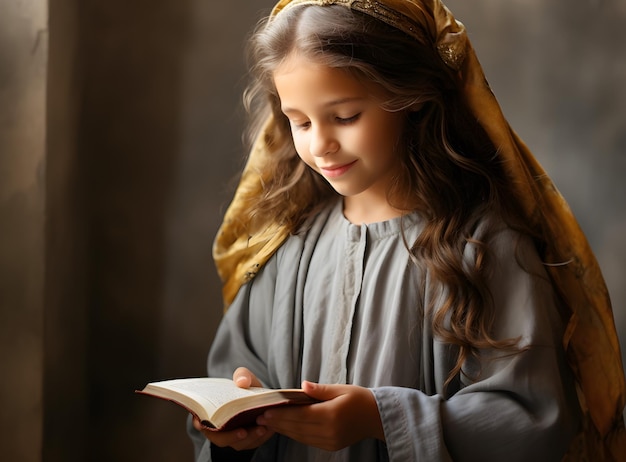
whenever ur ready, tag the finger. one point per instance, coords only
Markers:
(226, 438)
(292, 419)
(245, 379)
(240, 439)
(221, 438)
(306, 430)
(256, 437)
(196, 424)
(323, 392)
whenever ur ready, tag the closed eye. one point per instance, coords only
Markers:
(300, 126)
(348, 120)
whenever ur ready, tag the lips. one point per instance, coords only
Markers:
(334, 171)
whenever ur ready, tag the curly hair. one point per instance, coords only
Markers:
(450, 172)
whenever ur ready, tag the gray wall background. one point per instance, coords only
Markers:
(119, 142)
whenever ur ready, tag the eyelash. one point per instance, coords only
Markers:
(339, 120)
(348, 120)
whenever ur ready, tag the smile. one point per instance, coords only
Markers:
(334, 171)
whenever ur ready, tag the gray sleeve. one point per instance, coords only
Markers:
(242, 339)
(523, 407)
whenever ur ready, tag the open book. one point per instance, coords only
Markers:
(219, 403)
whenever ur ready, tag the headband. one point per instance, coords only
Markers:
(590, 340)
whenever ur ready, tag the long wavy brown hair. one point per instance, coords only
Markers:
(451, 173)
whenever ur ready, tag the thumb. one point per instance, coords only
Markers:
(245, 379)
(322, 392)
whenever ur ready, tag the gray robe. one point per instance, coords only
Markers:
(343, 303)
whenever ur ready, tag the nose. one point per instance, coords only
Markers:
(323, 142)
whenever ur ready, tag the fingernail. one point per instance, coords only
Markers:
(241, 434)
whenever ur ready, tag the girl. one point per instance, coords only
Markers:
(394, 249)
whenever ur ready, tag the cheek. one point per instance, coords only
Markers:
(301, 146)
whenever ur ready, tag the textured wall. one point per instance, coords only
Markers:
(23, 47)
(67, 264)
(159, 135)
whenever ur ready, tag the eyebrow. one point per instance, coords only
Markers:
(331, 103)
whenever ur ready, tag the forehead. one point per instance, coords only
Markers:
(298, 78)
(296, 62)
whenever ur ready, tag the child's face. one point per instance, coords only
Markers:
(339, 128)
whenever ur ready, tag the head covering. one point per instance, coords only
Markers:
(590, 339)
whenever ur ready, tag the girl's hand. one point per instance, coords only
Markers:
(346, 414)
(243, 378)
(241, 438)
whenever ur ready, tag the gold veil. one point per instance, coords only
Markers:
(591, 342)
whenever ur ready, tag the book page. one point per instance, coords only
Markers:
(212, 390)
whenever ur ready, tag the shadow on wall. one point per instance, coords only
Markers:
(156, 136)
